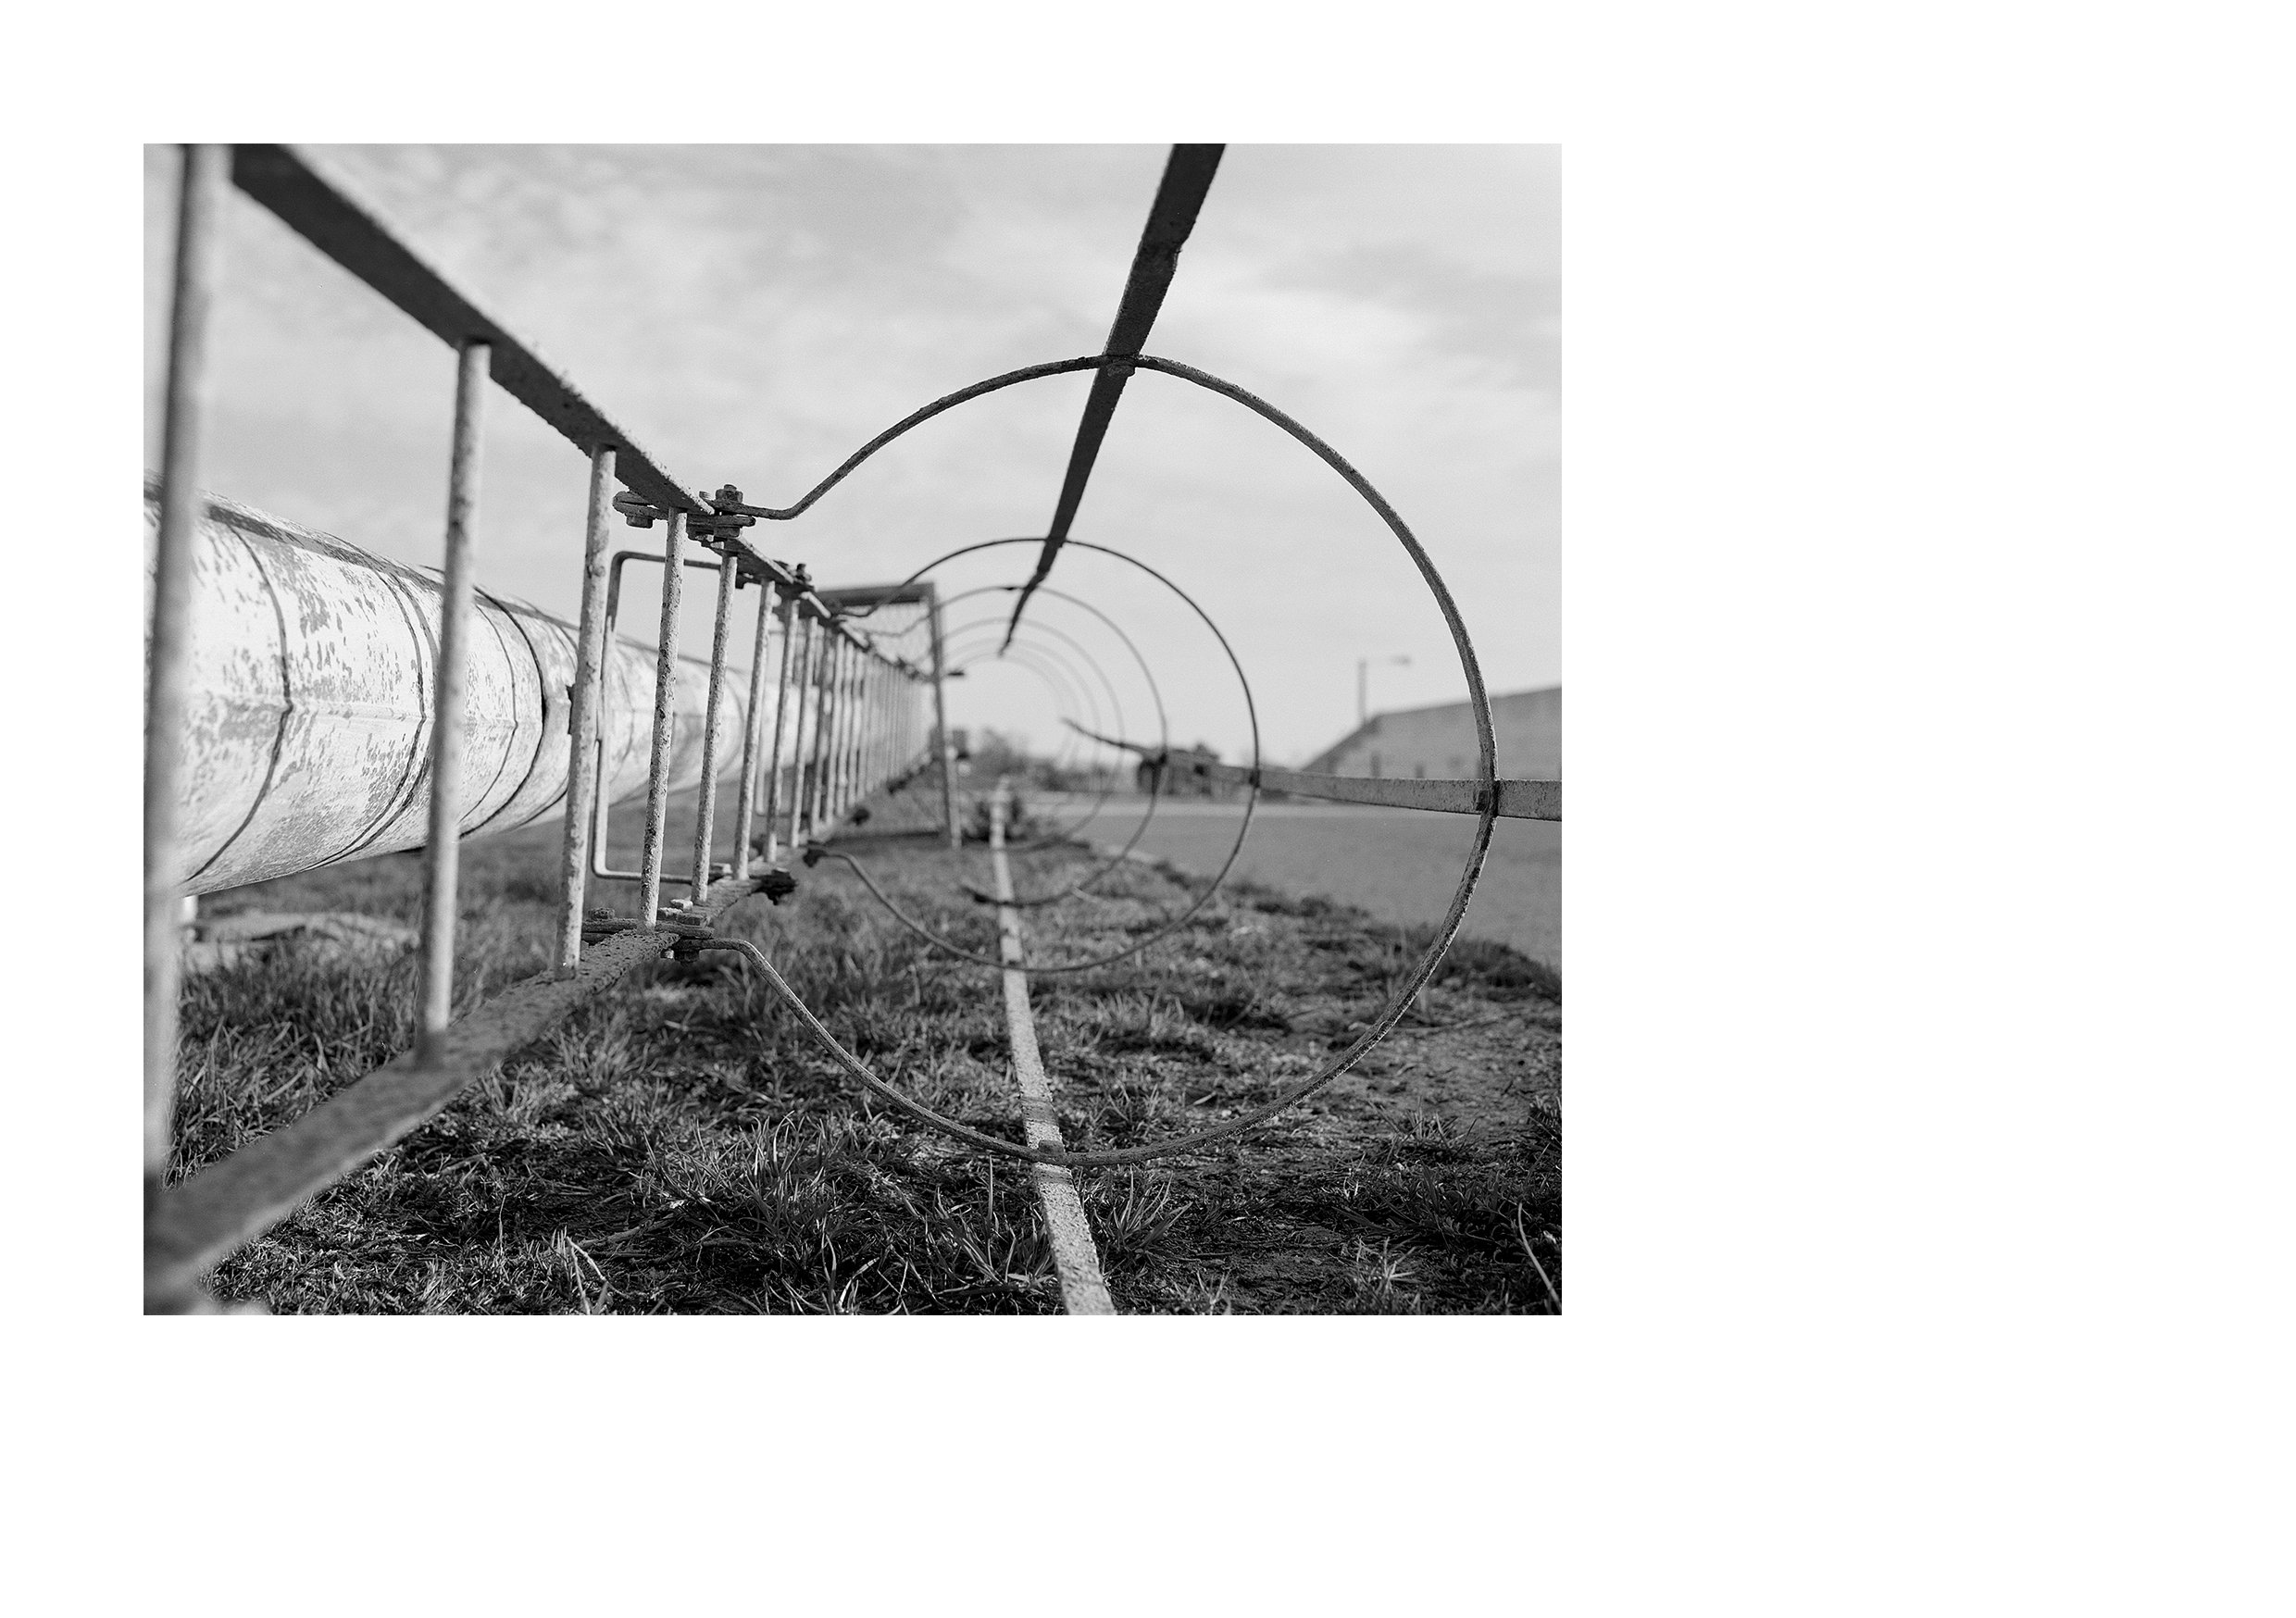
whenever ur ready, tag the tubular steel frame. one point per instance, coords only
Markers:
(864, 721)
(190, 1225)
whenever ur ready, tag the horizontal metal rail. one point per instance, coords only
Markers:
(199, 1222)
(1517, 799)
(286, 181)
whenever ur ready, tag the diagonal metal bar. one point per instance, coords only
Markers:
(200, 1221)
(317, 206)
(1187, 177)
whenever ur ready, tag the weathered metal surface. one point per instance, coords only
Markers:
(661, 735)
(1083, 1289)
(198, 1222)
(781, 706)
(173, 633)
(752, 715)
(705, 820)
(310, 697)
(583, 751)
(442, 845)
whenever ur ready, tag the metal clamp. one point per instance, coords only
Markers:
(638, 511)
(688, 932)
(727, 519)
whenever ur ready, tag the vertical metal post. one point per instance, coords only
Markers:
(941, 725)
(729, 577)
(441, 866)
(878, 728)
(885, 725)
(840, 740)
(824, 813)
(197, 261)
(780, 712)
(665, 691)
(802, 693)
(849, 707)
(865, 736)
(824, 711)
(872, 751)
(582, 794)
(752, 717)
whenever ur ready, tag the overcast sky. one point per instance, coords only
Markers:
(753, 314)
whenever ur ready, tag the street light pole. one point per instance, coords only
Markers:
(1363, 688)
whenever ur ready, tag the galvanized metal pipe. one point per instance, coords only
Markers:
(443, 865)
(583, 799)
(310, 700)
(729, 577)
(664, 683)
(197, 263)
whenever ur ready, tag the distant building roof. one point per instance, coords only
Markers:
(1327, 762)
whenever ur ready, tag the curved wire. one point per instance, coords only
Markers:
(1486, 792)
(1045, 663)
(1155, 779)
(1244, 829)
(946, 402)
(1090, 662)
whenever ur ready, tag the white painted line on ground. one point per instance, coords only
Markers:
(1082, 1288)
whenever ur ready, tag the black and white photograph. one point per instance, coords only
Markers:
(800, 693)
(1062, 815)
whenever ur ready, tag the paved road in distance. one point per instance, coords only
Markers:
(1399, 864)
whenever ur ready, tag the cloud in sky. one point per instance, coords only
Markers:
(753, 314)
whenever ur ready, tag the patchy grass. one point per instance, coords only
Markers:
(682, 1145)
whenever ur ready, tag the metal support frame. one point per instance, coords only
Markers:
(941, 750)
(824, 724)
(808, 659)
(862, 719)
(665, 689)
(600, 816)
(198, 254)
(442, 854)
(781, 716)
(843, 685)
(585, 792)
(728, 577)
(752, 715)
